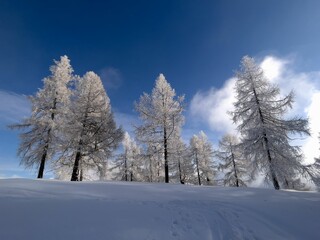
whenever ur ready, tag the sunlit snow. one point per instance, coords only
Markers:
(48, 209)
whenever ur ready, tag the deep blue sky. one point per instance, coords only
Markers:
(196, 44)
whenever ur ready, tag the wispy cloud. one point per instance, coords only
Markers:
(111, 77)
(13, 107)
(127, 121)
(211, 106)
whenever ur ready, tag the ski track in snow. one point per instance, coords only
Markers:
(32, 209)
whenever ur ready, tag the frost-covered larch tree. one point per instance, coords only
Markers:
(259, 112)
(232, 164)
(181, 163)
(49, 107)
(129, 163)
(152, 158)
(91, 134)
(201, 152)
(161, 113)
(312, 171)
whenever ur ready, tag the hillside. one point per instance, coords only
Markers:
(46, 209)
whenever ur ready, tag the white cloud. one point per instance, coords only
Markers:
(306, 86)
(211, 106)
(13, 107)
(273, 67)
(311, 145)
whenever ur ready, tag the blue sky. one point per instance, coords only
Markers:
(196, 44)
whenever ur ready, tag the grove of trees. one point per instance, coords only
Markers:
(72, 131)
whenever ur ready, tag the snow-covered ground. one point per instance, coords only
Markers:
(45, 209)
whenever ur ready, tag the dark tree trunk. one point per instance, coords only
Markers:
(158, 168)
(198, 171)
(42, 163)
(287, 183)
(166, 166)
(131, 173)
(180, 173)
(75, 171)
(81, 175)
(234, 168)
(125, 168)
(266, 142)
(45, 152)
(208, 180)
(151, 173)
(273, 175)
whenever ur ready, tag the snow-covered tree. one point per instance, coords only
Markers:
(201, 153)
(161, 113)
(312, 172)
(62, 172)
(91, 134)
(152, 158)
(233, 164)
(128, 164)
(259, 112)
(49, 108)
(181, 163)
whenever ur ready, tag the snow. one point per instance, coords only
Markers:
(49, 209)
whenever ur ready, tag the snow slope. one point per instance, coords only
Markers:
(44, 209)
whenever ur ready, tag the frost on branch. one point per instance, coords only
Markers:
(201, 153)
(161, 114)
(259, 112)
(90, 134)
(49, 108)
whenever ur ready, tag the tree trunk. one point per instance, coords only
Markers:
(198, 171)
(102, 171)
(151, 173)
(273, 175)
(75, 171)
(265, 138)
(180, 173)
(234, 168)
(158, 169)
(166, 166)
(44, 155)
(45, 151)
(42, 163)
(287, 183)
(81, 175)
(131, 173)
(125, 167)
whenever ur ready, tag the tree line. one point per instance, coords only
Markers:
(72, 127)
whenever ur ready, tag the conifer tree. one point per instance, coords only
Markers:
(233, 164)
(259, 113)
(38, 142)
(90, 134)
(161, 113)
(128, 164)
(181, 162)
(202, 154)
(152, 158)
(312, 171)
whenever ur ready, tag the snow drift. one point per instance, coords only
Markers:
(45, 209)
